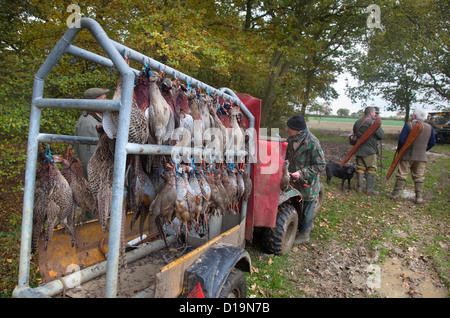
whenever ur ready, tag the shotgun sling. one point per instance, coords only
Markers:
(369, 132)
(412, 136)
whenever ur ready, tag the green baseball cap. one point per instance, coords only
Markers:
(92, 93)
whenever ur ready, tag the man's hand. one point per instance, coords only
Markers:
(295, 175)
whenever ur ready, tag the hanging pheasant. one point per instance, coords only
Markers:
(56, 200)
(81, 190)
(100, 170)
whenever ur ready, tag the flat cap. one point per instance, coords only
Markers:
(92, 93)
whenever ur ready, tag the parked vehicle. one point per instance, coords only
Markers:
(442, 129)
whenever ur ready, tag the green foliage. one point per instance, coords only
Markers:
(405, 61)
(287, 53)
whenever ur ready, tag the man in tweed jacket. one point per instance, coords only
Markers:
(415, 158)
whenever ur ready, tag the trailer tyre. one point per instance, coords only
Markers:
(235, 285)
(280, 239)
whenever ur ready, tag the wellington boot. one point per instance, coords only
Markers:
(370, 180)
(360, 180)
(398, 188)
(419, 191)
(302, 238)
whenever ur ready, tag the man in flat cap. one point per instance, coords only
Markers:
(366, 154)
(306, 161)
(87, 127)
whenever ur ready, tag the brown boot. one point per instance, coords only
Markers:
(398, 188)
(419, 190)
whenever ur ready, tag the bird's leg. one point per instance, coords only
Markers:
(179, 229)
(205, 219)
(161, 230)
(49, 231)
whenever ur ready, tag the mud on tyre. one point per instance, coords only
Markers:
(279, 240)
(235, 285)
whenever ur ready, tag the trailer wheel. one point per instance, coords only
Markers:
(235, 285)
(280, 239)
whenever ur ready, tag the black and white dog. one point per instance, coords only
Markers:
(344, 173)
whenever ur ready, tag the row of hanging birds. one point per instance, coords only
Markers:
(154, 185)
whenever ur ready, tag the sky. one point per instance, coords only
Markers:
(345, 102)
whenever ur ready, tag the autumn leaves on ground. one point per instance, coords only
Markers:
(367, 246)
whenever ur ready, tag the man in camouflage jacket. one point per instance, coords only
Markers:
(306, 161)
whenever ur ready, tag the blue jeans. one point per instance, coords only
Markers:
(306, 223)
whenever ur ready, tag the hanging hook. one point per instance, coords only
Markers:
(48, 153)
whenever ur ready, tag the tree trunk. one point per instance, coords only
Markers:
(306, 95)
(279, 67)
(248, 15)
(407, 111)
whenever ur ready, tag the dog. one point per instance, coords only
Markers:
(344, 173)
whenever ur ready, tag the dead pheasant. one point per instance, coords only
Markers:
(142, 93)
(248, 185)
(203, 106)
(138, 130)
(181, 203)
(286, 177)
(58, 195)
(161, 117)
(217, 123)
(228, 191)
(162, 207)
(206, 192)
(233, 189)
(235, 133)
(100, 176)
(240, 184)
(195, 200)
(81, 190)
(217, 190)
(140, 191)
(41, 199)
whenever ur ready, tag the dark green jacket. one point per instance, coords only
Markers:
(309, 160)
(370, 146)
